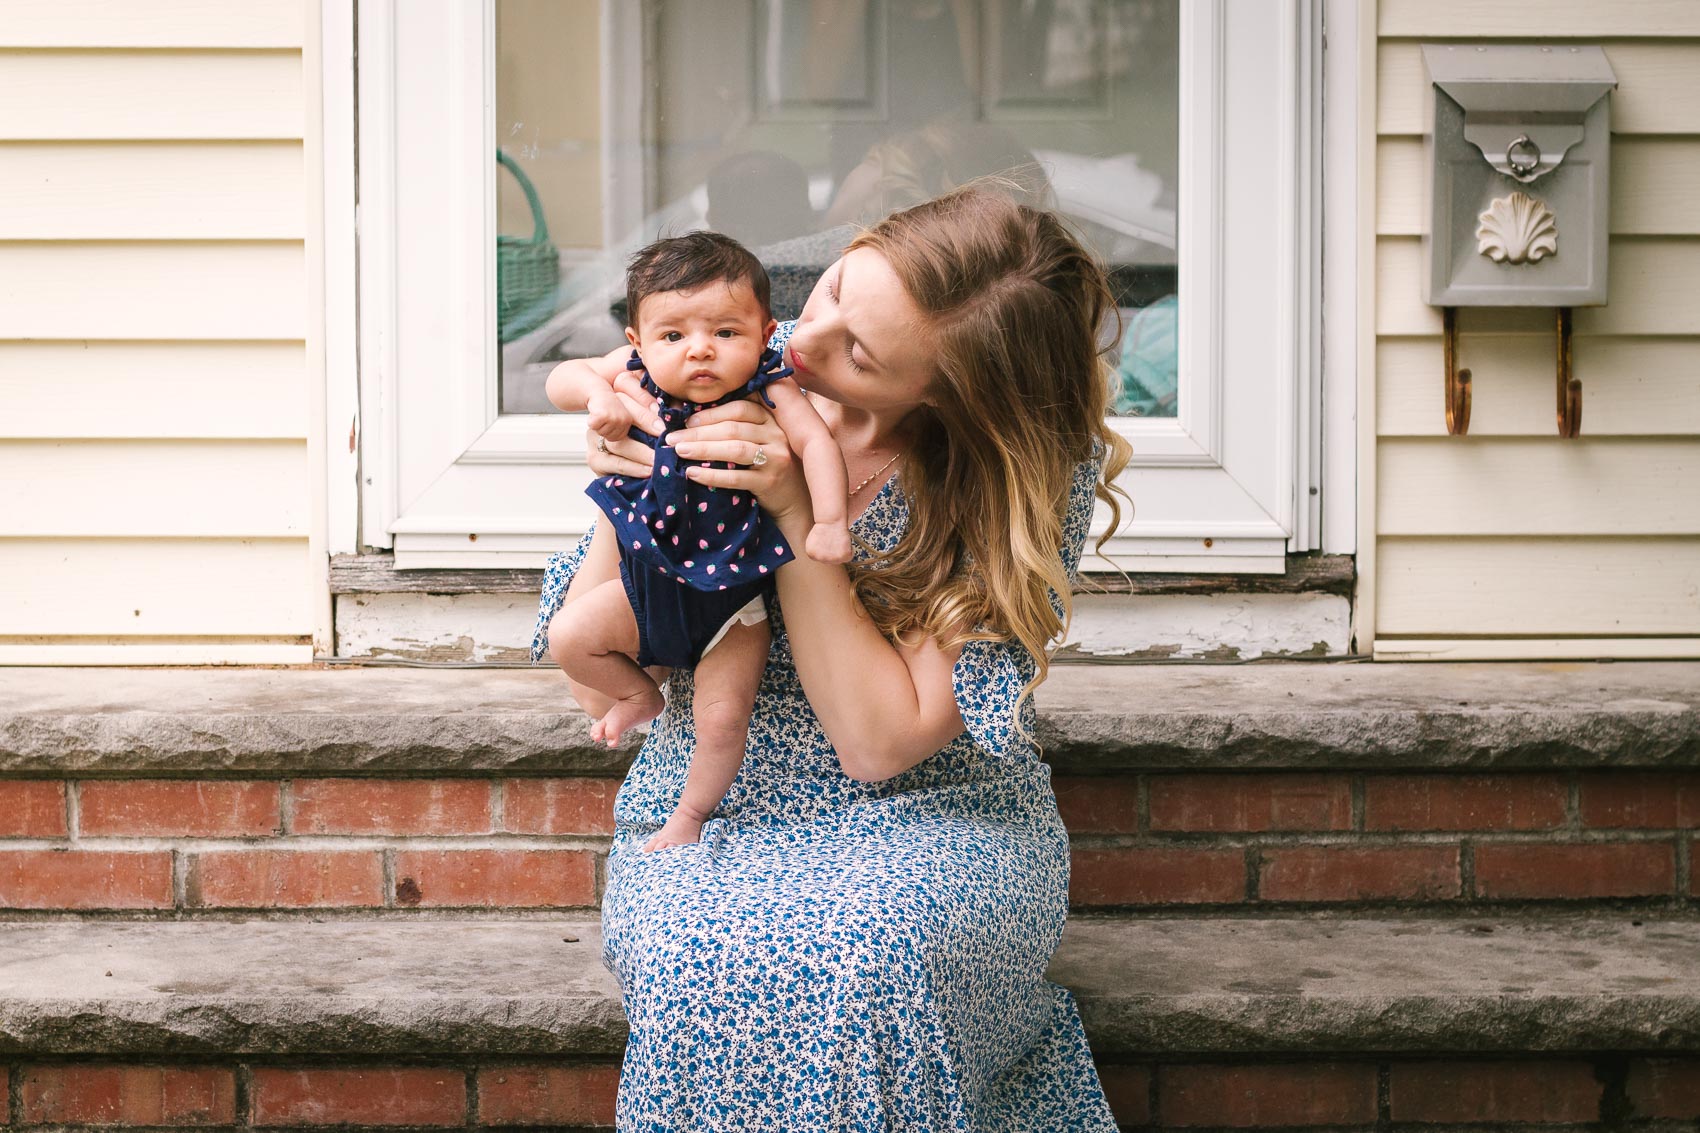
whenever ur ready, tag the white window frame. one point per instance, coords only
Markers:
(448, 481)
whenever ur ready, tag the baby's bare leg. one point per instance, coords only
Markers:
(599, 634)
(727, 677)
(601, 564)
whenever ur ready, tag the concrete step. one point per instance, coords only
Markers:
(1246, 788)
(1558, 1018)
(1094, 719)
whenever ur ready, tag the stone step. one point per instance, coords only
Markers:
(1232, 788)
(1558, 1017)
(1094, 719)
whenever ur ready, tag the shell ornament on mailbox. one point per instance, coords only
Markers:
(1517, 140)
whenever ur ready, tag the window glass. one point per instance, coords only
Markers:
(786, 123)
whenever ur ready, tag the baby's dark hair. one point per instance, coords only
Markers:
(680, 263)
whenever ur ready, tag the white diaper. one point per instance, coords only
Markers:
(750, 613)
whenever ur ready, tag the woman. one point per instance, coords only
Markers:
(859, 939)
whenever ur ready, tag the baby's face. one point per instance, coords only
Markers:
(701, 344)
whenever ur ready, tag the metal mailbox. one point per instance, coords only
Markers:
(1517, 141)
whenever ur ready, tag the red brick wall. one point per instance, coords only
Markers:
(1153, 840)
(1488, 1093)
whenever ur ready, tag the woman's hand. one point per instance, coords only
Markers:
(734, 432)
(624, 456)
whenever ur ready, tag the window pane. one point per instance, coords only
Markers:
(785, 123)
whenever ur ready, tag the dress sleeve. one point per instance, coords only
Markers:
(782, 334)
(990, 675)
(557, 575)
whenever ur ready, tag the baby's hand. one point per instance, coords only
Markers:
(609, 416)
(829, 543)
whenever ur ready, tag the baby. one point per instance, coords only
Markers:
(676, 571)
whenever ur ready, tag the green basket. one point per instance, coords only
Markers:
(527, 269)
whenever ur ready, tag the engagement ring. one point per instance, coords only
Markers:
(760, 458)
(601, 444)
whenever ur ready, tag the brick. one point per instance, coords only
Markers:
(1356, 873)
(285, 879)
(539, 1095)
(1576, 869)
(1664, 1087)
(1140, 876)
(1493, 1091)
(85, 879)
(559, 806)
(1107, 805)
(1128, 1089)
(505, 878)
(391, 806)
(1660, 800)
(176, 808)
(1306, 1093)
(1250, 801)
(33, 808)
(128, 1095)
(377, 1096)
(1464, 802)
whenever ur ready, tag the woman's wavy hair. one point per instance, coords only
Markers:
(1015, 311)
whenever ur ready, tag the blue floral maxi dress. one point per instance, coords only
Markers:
(837, 955)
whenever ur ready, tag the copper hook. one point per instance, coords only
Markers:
(1569, 388)
(1457, 381)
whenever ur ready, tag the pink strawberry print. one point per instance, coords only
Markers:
(670, 509)
(710, 568)
(703, 506)
(702, 544)
(761, 568)
(720, 527)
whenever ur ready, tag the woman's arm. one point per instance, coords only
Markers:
(884, 707)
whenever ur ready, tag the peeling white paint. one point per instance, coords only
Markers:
(497, 627)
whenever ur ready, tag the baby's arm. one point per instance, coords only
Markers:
(581, 385)
(823, 467)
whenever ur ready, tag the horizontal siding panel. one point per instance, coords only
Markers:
(130, 651)
(1389, 648)
(1537, 486)
(1653, 186)
(170, 191)
(164, 488)
(1658, 85)
(70, 95)
(1630, 386)
(1546, 587)
(153, 389)
(1550, 19)
(152, 23)
(1650, 289)
(153, 291)
(167, 587)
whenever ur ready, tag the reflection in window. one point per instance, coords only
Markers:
(787, 123)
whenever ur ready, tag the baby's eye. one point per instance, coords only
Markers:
(672, 336)
(725, 332)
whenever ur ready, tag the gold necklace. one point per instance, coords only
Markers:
(877, 471)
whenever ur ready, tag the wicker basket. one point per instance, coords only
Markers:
(527, 270)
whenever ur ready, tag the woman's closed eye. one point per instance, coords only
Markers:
(849, 343)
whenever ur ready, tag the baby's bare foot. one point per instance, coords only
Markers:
(679, 830)
(624, 714)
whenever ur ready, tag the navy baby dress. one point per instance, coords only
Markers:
(836, 955)
(691, 556)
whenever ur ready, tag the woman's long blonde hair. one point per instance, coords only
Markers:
(1014, 309)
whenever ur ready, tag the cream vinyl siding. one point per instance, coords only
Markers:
(1511, 541)
(154, 375)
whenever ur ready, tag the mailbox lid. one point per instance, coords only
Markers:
(1520, 76)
